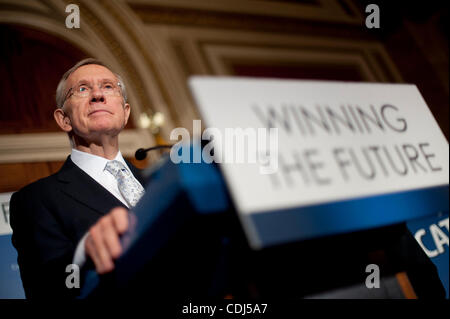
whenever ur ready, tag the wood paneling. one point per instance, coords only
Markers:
(16, 175)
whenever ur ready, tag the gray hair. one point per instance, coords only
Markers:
(60, 89)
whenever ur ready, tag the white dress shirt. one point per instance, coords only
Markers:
(94, 166)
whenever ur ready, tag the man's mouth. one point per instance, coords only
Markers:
(98, 112)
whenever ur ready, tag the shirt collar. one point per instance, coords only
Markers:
(93, 164)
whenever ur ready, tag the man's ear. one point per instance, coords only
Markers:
(62, 120)
(126, 109)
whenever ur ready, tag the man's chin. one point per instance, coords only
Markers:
(104, 126)
(99, 132)
(106, 131)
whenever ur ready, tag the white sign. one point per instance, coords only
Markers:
(5, 228)
(337, 140)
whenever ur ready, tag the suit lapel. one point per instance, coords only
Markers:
(84, 189)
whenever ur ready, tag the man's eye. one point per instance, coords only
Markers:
(82, 89)
(108, 86)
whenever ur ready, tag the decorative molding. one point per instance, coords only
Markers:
(41, 147)
(319, 10)
(220, 57)
(201, 51)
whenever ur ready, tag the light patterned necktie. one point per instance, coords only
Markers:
(130, 189)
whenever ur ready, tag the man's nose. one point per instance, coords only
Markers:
(97, 95)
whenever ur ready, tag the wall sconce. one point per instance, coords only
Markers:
(153, 122)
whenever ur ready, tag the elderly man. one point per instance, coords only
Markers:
(79, 213)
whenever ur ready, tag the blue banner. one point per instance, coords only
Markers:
(10, 282)
(432, 235)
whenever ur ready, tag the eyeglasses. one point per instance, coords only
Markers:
(85, 90)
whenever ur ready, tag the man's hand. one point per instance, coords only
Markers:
(102, 243)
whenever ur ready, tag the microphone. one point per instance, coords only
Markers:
(142, 153)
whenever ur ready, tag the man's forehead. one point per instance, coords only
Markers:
(90, 72)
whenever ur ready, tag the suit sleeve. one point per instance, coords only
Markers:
(44, 250)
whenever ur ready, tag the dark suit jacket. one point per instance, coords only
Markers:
(48, 218)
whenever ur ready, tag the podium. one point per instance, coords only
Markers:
(185, 240)
(177, 240)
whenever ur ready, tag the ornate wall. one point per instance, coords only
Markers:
(156, 45)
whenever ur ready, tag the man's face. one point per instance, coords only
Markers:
(97, 114)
